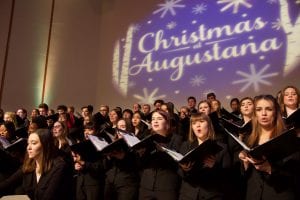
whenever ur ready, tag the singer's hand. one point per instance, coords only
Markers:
(78, 166)
(117, 154)
(261, 165)
(243, 157)
(209, 161)
(186, 166)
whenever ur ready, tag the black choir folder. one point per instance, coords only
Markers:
(293, 120)
(207, 148)
(235, 128)
(230, 116)
(276, 148)
(18, 145)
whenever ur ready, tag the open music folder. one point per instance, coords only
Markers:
(275, 149)
(235, 128)
(229, 116)
(127, 141)
(207, 148)
(18, 145)
(103, 146)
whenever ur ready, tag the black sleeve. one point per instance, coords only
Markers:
(11, 182)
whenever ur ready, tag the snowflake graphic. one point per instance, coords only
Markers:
(171, 25)
(272, 1)
(199, 9)
(277, 24)
(254, 78)
(233, 3)
(170, 6)
(148, 98)
(197, 80)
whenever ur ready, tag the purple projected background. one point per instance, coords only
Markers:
(191, 47)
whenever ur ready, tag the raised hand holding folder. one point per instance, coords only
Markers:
(275, 149)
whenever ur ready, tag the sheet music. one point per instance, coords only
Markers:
(5, 143)
(99, 143)
(131, 140)
(177, 156)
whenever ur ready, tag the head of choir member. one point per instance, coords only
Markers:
(247, 108)
(164, 107)
(41, 152)
(89, 129)
(114, 116)
(8, 130)
(267, 120)
(34, 113)
(104, 110)
(11, 117)
(204, 106)
(60, 133)
(137, 120)
(22, 113)
(191, 101)
(201, 128)
(289, 101)
(157, 104)
(161, 123)
(127, 114)
(124, 124)
(215, 105)
(43, 109)
(146, 109)
(235, 105)
(211, 96)
(184, 112)
(136, 107)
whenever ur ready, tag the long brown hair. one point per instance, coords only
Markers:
(200, 117)
(278, 123)
(49, 151)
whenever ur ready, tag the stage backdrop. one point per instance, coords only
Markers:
(119, 52)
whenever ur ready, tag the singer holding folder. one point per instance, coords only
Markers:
(202, 179)
(266, 179)
(159, 178)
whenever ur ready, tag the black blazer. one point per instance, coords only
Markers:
(202, 182)
(279, 185)
(53, 185)
(159, 170)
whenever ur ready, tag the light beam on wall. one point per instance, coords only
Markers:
(234, 48)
